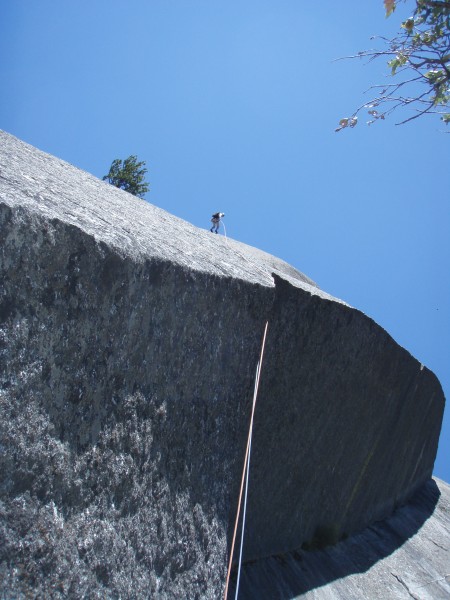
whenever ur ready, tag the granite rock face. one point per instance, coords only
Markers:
(128, 342)
(402, 558)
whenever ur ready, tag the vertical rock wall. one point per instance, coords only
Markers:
(125, 392)
(339, 438)
(127, 366)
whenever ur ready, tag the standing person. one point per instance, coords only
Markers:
(216, 221)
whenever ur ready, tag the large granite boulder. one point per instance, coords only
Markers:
(129, 340)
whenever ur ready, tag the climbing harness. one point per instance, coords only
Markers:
(245, 476)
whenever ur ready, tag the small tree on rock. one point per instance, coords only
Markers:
(128, 175)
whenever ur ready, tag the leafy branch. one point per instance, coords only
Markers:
(419, 59)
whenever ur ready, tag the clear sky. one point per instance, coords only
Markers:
(233, 105)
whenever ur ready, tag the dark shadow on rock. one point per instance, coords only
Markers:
(290, 575)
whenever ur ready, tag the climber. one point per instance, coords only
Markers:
(216, 221)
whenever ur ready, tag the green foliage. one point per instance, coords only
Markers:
(419, 59)
(128, 175)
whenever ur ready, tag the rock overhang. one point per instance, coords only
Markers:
(118, 299)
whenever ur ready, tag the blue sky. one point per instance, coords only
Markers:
(233, 105)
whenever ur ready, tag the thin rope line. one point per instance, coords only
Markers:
(238, 579)
(244, 513)
(245, 461)
(225, 231)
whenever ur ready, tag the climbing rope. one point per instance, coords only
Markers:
(245, 499)
(245, 475)
(225, 230)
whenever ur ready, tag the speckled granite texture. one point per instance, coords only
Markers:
(129, 340)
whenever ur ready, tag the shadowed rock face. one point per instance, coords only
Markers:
(406, 556)
(129, 340)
